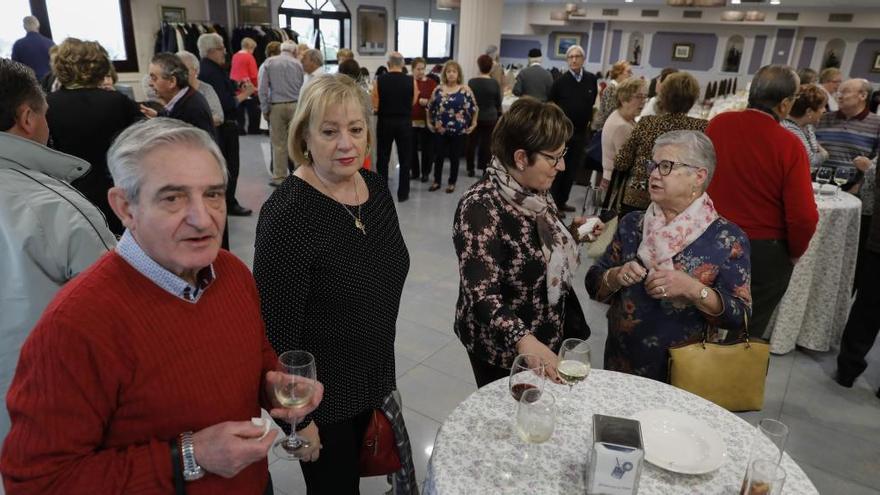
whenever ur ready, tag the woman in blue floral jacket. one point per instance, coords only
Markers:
(675, 270)
(451, 116)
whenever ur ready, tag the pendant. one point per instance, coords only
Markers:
(360, 225)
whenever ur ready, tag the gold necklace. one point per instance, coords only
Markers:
(358, 224)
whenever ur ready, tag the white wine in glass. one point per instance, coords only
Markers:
(574, 364)
(573, 371)
(293, 391)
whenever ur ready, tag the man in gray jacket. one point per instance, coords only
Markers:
(49, 232)
(534, 80)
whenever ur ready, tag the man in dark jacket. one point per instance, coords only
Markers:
(33, 49)
(169, 77)
(575, 92)
(394, 95)
(534, 80)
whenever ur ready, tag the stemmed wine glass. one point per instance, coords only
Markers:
(842, 176)
(823, 176)
(574, 363)
(535, 421)
(524, 376)
(292, 392)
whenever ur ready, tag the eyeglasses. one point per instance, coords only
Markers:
(665, 166)
(554, 159)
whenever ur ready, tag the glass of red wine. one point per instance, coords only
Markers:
(525, 375)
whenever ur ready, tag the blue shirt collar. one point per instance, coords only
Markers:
(132, 253)
(577, 75)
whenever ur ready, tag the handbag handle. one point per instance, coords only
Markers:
(743, 336)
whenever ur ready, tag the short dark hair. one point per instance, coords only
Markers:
(772, 84)
(418, 60)
(678, 93)
(172, 66)
(350, 68)
(18, 86)
(530, 125)
(810, 97)
(484, 62)
(666, 72)
(807, 75)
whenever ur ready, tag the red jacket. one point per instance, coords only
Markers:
(762, 179)
(244, 67)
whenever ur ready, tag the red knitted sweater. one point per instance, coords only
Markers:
(116, 367)
(762, 179)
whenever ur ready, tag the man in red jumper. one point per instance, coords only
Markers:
(144, 372)
(762, 183)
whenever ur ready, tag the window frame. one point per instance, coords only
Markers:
(341, 17)
(129, 63)
(424, 55)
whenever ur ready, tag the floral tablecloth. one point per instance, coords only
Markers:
(813, 312)
(478, 452)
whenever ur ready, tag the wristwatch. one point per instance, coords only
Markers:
(191, 469)
(704, 293)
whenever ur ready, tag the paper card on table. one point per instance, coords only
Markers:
(615, 464)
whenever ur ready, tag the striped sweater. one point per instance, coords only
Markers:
(846, 139)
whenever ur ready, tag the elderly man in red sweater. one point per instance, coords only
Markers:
(762, 183)
(144, 372)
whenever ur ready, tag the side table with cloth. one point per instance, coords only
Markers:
(477, 443)
(813, 312)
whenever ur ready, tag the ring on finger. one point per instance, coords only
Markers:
(663, 291)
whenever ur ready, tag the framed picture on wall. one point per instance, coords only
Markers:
(563, 42)
(876, 65)
(683, 52)
(173, 14)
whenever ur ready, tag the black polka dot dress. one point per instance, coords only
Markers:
(327, 288)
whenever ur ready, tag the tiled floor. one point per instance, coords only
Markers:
(835, 432)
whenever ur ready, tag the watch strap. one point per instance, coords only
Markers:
(191, 469)
(177, 468)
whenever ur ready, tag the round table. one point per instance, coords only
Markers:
(813, 312)
(477, 445)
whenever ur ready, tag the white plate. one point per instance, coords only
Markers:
(680, 443)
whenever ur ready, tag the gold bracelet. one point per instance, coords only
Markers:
(608, 284)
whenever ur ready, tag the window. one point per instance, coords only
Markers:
(106, 21)
(410, 37)
(429, 39)
(322, 24)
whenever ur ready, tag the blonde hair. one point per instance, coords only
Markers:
(455, 65)
(629, 88)
(320, 94)
(80, 63)
(618, 68)
(248, 43)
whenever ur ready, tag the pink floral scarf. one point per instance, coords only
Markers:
(661, 241)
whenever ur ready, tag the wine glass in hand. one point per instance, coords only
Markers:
(293, 391)
(524, 376)
(574, 362)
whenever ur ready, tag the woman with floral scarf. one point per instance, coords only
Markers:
(516, 257)
(675, 270)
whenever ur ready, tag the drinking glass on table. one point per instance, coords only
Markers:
(536, 416)
(768, 443)
(294, 391)
(765, 478)
(524, 376)
(823, 176)
(574, 363)
(843, 175)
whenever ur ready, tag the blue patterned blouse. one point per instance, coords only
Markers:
(452, 113)
(641, 328)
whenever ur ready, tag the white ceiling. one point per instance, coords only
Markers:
(785, 4)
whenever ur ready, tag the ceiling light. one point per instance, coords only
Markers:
(734, 2)
(775, 2)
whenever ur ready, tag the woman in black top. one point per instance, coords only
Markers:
(487, 92)
(84, 119)
(330, 264)
(516, 258)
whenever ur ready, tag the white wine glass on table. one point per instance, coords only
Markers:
(574, 364)
(293, 391)
(843, 175)
(524, 376)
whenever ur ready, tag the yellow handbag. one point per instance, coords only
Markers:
(730, 375)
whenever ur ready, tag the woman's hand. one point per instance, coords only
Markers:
(531, 345)
(590, 236)
(663, 284)
(630, 273)
(313, 451)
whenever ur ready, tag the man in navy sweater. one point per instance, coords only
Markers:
(575, 92)
(33, 49)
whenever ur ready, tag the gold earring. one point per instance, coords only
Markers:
(308, 155)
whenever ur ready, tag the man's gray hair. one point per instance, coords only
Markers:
(692, 148)
(314, 56)
(208, 42)
(289, 47)
(31, 24)
(126, 154)
(864, 86)
(395, 60)
(172, 66)
(772, 84)
(492, 51)
(189, 59)
(573, 48)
